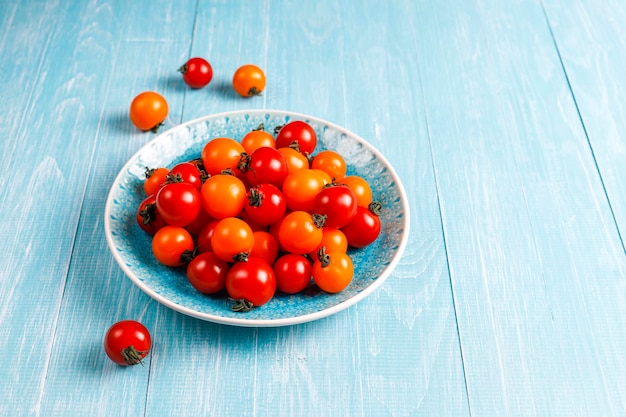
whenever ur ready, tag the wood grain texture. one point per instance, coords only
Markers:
(503, 120)
(530, 236)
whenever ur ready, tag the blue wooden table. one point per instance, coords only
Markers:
(504, 119)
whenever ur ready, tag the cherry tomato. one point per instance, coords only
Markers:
(186, 172)
(203, 240)
(195, 227)
(256, 139)
(334, 272)
(295, 160)
(155, 178)
(297, 133)
(265, 204)
(293, 273)
(265, 247)
(300, 232)
(330, 162)
(249, 80)
(250, 283)
(363, 229)
(338, 203)
(231, 238)
(148, 111)
(220, 154)
(127, 342)
(360, 187)
(267, 165)
(301, 187)
(178, 203)
(169, 244)
(148, 216)
(333, 240)
(197, 72)
(223, 196)
(207, 273)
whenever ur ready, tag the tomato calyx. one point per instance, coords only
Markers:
(149, 172)
(241, 257)
(244, 162)
(148, 214)
(259, 128)
(188, 255)
(133, 356)
(172, 178)
(277, 129)
(254, 92)
(240, 305)
(319, 220)
(183, 69)
(323, 257)
(376, 208)
(255, 197)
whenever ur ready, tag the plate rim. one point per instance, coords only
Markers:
(285, 321)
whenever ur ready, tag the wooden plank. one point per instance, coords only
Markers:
(536, 263)
(125, 49)
(590, 42)
(42, 197)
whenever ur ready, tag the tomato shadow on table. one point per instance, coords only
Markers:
(119, 122)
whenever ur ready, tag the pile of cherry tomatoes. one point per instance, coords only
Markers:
(263, 214)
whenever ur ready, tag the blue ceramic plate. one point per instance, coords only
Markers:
(131, 247)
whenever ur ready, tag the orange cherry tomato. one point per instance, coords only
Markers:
(249, 80)
(301, 187)
(155, 178)
(169, 243)
(256, 139)
(330, 162)
(232, 237)
(223, 196)
(299, 232)
(148, 111)
(334, 273)
(295, 160)
(361, 189)
(333, 240)
(220, 154)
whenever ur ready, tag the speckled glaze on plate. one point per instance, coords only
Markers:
(131, 247)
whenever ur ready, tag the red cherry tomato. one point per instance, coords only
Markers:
(197, 72)
(203, 240)
(293, 273)
(297, 133)
(338, 203)
(186, 172)
(265, 205)
(267, 166)
(127, 342)
(250, 283)
(178, 203)
(207, 273)
(363, 229)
